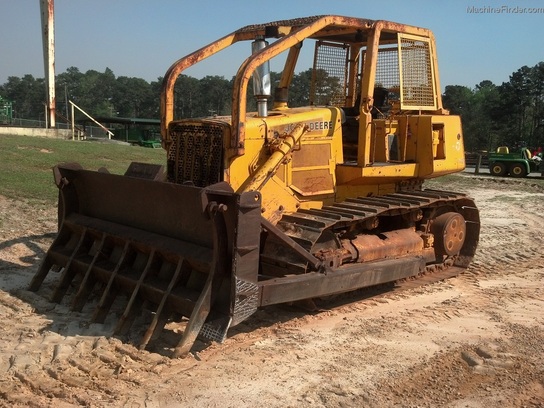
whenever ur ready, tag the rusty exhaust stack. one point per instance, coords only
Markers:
(47, 8)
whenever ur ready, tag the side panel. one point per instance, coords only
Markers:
(307, 174)
(438, 143)
(407, 148)
(447, 145)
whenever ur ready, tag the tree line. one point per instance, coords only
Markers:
(102, 94)
(510, 114)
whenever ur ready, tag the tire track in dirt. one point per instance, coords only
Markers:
(401, 348)
(506, 281)
(478, 298)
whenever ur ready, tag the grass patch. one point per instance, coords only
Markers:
(26, 162)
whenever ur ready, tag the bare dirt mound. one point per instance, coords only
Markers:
(471, 341)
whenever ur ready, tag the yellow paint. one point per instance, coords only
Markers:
(354, 150)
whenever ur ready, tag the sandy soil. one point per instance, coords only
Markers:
(473, 341)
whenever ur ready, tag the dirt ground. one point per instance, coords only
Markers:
(476, 340)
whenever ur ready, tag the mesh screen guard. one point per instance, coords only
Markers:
(329, 74)
(416, 73)
(405, 69)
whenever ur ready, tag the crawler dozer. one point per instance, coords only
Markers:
(276, 203)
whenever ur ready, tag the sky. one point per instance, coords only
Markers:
(476, 39)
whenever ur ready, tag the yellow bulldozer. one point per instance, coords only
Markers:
(279, 204)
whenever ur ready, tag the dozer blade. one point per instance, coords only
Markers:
(174, 250)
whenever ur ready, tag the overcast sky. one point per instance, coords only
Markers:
(476, 39)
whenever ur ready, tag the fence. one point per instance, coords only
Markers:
(90, 131)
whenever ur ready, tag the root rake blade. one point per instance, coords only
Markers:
(174, 250)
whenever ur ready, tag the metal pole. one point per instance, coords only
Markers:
(73, 124)
(478, 163)
(110, 134)
(66, 101)
(47, 8)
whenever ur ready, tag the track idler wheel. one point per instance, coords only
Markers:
(449, 230)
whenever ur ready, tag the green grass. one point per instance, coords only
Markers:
(26, 162)
(26, 167)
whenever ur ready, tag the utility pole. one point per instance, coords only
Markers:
(47, 8)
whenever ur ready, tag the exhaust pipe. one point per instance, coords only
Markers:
(261, 79)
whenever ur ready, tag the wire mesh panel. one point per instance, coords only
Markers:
(406, 70)
(329, 75)
(387, 69)
(418, 90)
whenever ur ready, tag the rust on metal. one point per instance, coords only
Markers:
(389, 244)
(449, 232)
(203, 261)
(174, 259)
(384, 253)
(289, 34)
(48, 39)
(200, 248)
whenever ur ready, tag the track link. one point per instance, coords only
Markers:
(310, 227)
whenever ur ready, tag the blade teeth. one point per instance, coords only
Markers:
(121, 266)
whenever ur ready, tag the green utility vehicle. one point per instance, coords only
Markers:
(516, 164)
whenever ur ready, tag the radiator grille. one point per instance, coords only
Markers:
(196, 154)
